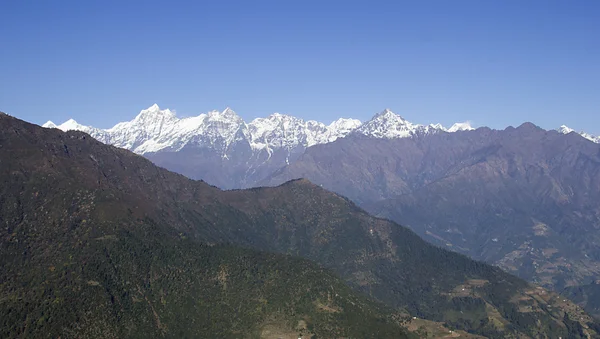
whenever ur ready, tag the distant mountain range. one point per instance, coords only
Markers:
(154, 130)
(222, 149)
(99, 242)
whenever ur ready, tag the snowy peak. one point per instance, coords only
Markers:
(227, 115)
(461, 126)
(229, 112)
(344, 126)
(566, 130)
(153, 115)
(390, 125)
(70, 124)
(281, 118)
(387, 114)
(49, 124)
(220, 130)
(153, 110)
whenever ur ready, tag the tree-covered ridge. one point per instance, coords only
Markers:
(142, 281)
(62, 192)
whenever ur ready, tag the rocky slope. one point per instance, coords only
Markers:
(89, 226)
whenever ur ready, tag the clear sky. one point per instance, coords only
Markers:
(496, 63)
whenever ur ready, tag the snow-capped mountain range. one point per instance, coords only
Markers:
(222, 149)
(155, 130)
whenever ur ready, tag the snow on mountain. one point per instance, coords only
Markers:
(222, 149)
(283, 131)
(591, 137)
(72, 125)
(49, 124)
(566, 130)
(342, 127)
(68, 125)
(390, 125)
(461, 126)
(154, 130)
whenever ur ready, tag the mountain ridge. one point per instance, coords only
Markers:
(260, 132)
(221, 148)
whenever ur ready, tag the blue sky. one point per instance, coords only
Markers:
(496, 63)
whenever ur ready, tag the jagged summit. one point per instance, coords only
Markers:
(226, 114)
(387, 114)
(229, 110)
(153, 114)
(154, 107)
(389, 125)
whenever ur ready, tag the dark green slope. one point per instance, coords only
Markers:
(144, 283)
(65, 192)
